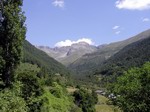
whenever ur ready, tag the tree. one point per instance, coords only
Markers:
(85, 100)
(31, 88)
(10, 102)
(12, 34)
(133, 89)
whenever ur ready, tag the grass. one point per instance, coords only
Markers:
(59, 101)
(102, 105)
(71, 89)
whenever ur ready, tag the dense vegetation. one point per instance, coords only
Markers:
(35, 94)
(12, 33)
(37, 83)
(86, 100)
(29, 93)
(133, 90)
(89, 63)
(35, 56)
(133, 55)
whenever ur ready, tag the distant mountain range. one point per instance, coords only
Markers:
(69, 54)
(83, 58)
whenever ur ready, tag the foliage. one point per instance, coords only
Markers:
(38, 96)
(27, 92)
(85, 100)
(95, 62)
(133, 55)
(133, 89)
(35, 56)
(31, 89)
(31, 86)
(56, 99)
(57, 90)
(10, 101)
(49, 68)
(12, 34)
(75, 108)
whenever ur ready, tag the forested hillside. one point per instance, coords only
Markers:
(133, 55)
(35, 56)
(90, 62)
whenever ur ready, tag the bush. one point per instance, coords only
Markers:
(56, 99)
(11, 102)
(85, 100)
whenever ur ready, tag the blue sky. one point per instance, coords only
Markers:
(63, 22)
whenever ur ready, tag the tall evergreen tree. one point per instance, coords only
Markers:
(12, 34)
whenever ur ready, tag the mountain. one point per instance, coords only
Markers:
(90, 62)
(35, 56)
(133, 55)
(69, 54)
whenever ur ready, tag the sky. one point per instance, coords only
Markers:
(65, 22)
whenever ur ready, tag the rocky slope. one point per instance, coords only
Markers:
(69, 54)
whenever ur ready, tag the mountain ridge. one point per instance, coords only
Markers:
(82, 58)
(68, 54)
(133, 55)
(88, 62)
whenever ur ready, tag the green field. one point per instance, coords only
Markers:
(103, 106)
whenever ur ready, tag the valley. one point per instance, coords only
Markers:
(83, 59)
(108, 72)
(103, 66)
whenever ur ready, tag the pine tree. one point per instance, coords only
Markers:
(12, 34)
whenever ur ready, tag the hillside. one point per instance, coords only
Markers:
(35, 56)
(133, 55)
(69, 54)
(89, 62)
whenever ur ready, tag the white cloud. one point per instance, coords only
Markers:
(146, 20)
(117, 32)
(69, 42)
(133, 4)
(64, 43)
(115, 27)
(59, 3)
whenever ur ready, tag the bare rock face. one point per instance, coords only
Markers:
(69, 54)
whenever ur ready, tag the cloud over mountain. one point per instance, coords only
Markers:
(70, 42)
